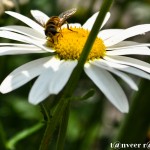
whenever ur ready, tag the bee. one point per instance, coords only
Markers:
(53, 25)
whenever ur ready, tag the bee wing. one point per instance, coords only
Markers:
(40, 17)
(65, 15)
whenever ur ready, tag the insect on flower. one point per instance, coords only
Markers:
(53, 25)
(109, 55)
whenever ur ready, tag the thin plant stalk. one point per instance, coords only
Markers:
(23, 134)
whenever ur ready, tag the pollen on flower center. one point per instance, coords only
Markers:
(69, 44)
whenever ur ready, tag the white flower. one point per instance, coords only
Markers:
(106, 57)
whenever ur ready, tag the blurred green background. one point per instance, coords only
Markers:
(93, 123)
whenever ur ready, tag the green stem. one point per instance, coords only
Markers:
(71, 85)
(87, 47)
(135, 127)
(53, 123)
(23, 134)
(63, 128)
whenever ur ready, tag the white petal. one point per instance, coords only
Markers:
(54, 78)
(108, 85)
(130, 51)
(27, 21)
(125, 68)
(129, 61)
(124, 44)
(127, 44)
(40, 16)
(25, 39)
(23, 74)
(15, 50)
(90, 22)
(61, 76)
(105, 19)
(14, 36)
(127, 33)
(120, 74)
(51, 81)
(25, 31)
(40, 90)
(126, 78)
(15, 44)
(105, 34)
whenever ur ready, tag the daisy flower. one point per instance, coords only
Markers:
(107, 57)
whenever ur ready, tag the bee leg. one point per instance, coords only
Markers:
(60, 32)
(52, 40)
(69, 28)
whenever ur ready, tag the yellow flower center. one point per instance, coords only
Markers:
(68, 44)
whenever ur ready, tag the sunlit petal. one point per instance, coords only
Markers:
(127, 44)
(24, 74)
(25, 31)
(129, 61)
(39, 90)
(90, 22)
(127, 33)
(16, 50)
(105, 19)
(61, 76)
(130, 51)
(108, 85)
(106, 34)
(25, 39)
(125, 68)
(26, 20)
(120, 74)
(40, 17)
